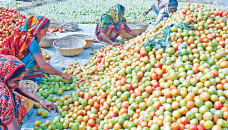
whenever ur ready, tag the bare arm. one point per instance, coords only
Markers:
(45, 104)
(13, 125)
(108, 32)
(25, 92)
(105, 38)
(47, 68)
(145, 13)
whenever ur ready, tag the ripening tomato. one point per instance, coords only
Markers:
(184, 120)
(154, 76)
(155, 84)
(193, 127)
(112, 114)
(91, 122)
(218, 105)
(190, 20)
(158, 65)
(200, 127)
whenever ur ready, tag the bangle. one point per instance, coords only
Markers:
(41, 101)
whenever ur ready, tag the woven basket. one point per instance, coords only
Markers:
(30, 85)
(47, 41)
(70, 45)
(137, 29)
(88, 38)
(88, 43)
(141, 24)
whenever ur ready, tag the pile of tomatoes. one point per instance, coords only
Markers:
(52, 30)
(9, 20)
(139, 87)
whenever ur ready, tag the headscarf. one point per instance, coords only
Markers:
(173, 3)
(8, 65)
(10, 102)
(115, 13)
(112, 16)
(17, 44)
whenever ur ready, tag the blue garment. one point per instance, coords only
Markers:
(163, 13)
(173, 3)
(29, 60)
(154, 8)
(34, 47)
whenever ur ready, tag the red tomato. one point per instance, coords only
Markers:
(200, 127)
(149, 89)
(123, 81)
(167, 78)
(218, 105)
(216, 13)
(91, 122)
(143, 53)
(190, 20)
(87, 96)
(96, 105)
(131, 91)
(155, 84)
(193, 127)
(154, 76)
(184, 120)
(185, 11)
(129, 87)
(224, 14)
(158, 65)
(79, 112)
(112, 114)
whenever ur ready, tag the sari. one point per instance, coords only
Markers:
(23, 45)
(111, 21)
(10, 101)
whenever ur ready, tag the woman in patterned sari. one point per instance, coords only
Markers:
(110, 25)
(12, 111)
(24, 45)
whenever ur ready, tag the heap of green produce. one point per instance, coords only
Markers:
(89, 11)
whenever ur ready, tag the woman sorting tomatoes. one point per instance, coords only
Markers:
(110, 25)
(12, 111)
(23, 44)
(171, 7)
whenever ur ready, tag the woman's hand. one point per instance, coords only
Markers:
(106, 39)
(66, 76)
(145, 13)
(47, 104)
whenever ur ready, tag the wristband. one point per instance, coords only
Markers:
(41, 101)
